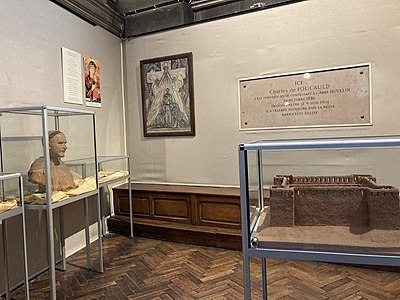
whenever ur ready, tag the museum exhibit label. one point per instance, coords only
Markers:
(329, 97)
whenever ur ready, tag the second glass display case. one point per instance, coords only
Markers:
(111, 170)
(332, 199)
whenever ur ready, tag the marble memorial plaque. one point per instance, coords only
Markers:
(334, 97)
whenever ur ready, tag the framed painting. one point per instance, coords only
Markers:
(167, 95)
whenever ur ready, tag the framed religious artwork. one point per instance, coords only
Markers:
(92, 82)
(167, 96)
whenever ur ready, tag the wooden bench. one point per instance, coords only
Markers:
(208, 216)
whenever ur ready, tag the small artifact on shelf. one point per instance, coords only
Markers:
(61, 177)
(83, 186)
(40, 198)
(8, 204)
(109, 175)
(353, 200)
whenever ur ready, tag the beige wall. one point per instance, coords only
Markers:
(31, 36)
(308, 35)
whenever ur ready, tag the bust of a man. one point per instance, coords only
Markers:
(61, 176)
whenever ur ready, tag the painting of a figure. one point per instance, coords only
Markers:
(92, 82)
(167, 95)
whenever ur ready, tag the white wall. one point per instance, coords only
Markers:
(308, 35)
(31, 36)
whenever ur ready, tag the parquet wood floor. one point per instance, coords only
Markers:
(142, 268)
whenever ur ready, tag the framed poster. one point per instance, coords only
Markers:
(72, 76)
(92, 82)
(167, 95)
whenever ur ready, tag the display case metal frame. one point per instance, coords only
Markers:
(250, 242)
(57, 112)
(4, 216)
(82, 163)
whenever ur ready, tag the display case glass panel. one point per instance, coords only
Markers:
(335, 196)
(12, 205)
(37, 139)
(110, 168)
(10, 194)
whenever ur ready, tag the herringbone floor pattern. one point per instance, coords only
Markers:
(142, 268)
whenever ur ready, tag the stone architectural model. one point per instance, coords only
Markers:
(353, 200)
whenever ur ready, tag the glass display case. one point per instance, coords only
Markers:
(327, 199)
(111, 170)
(12, 205)
(35, 141)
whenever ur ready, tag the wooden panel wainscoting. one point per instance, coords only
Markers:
(174, 208)
(218, 211)
(208, 216)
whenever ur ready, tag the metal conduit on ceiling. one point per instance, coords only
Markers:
(131, 18)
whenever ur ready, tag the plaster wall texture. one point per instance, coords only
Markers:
(308, 35)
